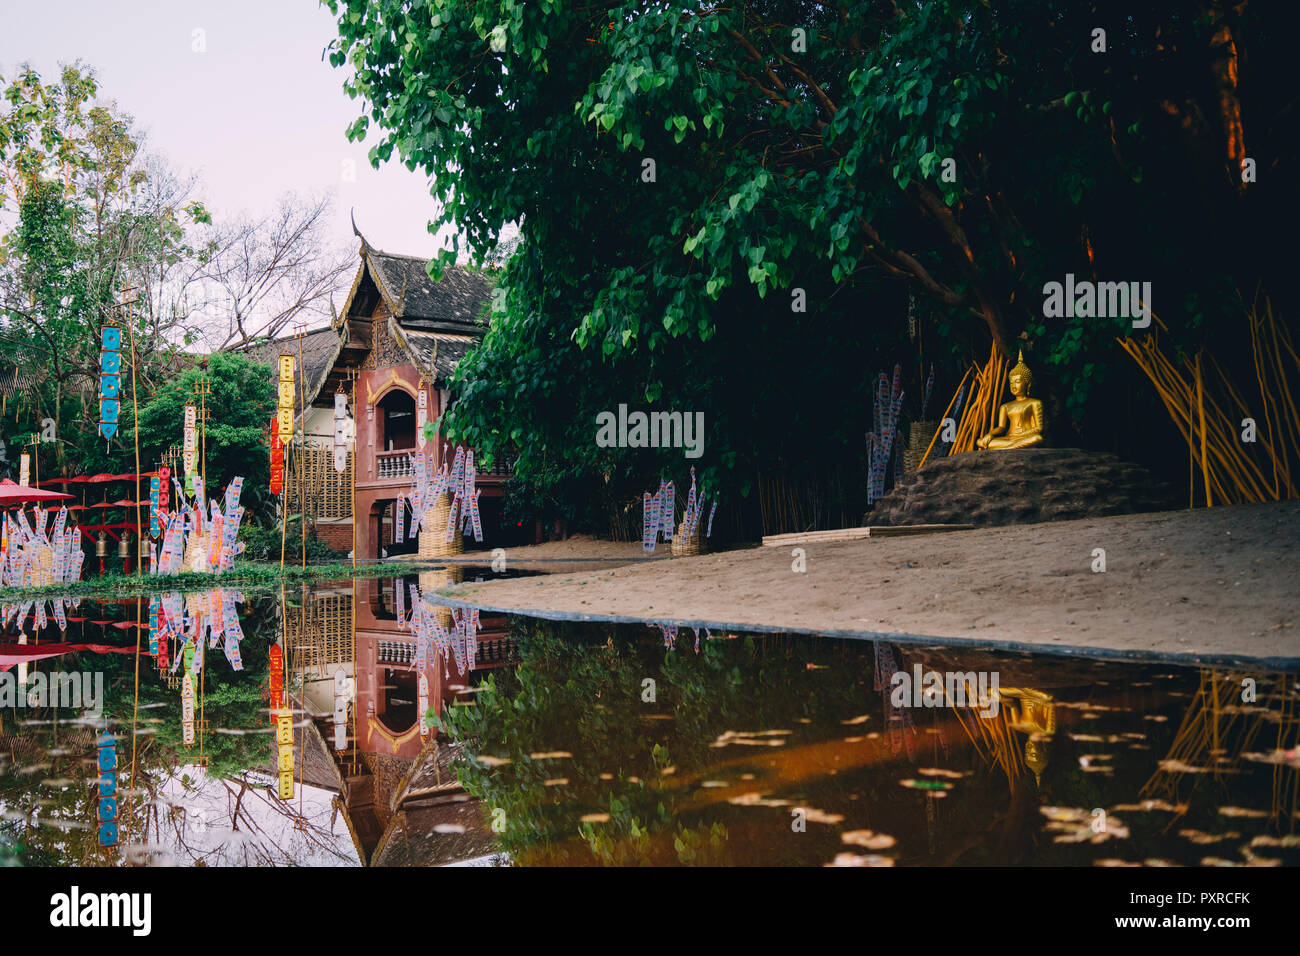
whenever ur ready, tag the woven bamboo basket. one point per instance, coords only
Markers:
(920, 435)
(430, 581)
(684, 546)
(433, 532)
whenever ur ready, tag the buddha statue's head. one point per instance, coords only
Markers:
(1036, 758)
(1020, 380)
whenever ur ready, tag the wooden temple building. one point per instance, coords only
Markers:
(399, 335)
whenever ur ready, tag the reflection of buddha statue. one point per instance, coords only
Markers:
(1036, 758)
(1032, 712)
(1029, 710)
(1020, 422)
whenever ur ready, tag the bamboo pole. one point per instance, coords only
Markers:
(1200, 405)
(135, 707)
(284, 504)
(135, 405)
(302, 495)
(943, 418)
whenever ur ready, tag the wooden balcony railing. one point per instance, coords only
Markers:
(397, 464)
(393, 464)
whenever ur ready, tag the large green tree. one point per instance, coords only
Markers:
(970, 150)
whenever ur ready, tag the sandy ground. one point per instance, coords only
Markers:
(1222, 583)
(579, 553)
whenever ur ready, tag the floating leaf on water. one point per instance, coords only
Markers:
(1067, 814)
(1203, 838)
(813, 815)
(1149, 805)
(1288, 758)
(1291, 840)
(755, 799)
(757, 738)
(1177, 766)
(869, 839)
(1253, 861)
(1243, 812)
(854, 859)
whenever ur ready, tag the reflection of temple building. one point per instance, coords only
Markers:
(396, 783)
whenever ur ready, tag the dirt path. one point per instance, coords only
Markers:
(1211, 584)
(579, 553)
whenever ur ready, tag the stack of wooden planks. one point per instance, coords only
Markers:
(849, 534)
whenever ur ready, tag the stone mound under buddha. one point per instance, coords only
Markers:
(1022, 486)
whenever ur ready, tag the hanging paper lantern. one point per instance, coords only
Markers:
(190, 448)
(110, 380)
(164, 494)
(284, 413)
(154, 492)
(153, 626)
(277, 460)
(340, 432)
(421, 415)
(107, 746)
(187, 709)
(341, 709)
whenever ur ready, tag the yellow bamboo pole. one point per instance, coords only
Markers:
(135, 405)
(1200, 405)
(354, 474)
(943, 418)
(302, 495)
(284, 503)
(1285, 384)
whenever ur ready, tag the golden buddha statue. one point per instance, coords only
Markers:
(1020, 422)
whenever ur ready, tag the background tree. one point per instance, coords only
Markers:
(266, 272)
(103, 231)
(241, 403)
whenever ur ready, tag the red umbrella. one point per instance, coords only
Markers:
(12, 493)
(11, 654)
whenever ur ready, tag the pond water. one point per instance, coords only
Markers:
(553, 743)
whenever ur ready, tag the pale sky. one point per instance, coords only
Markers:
(258, 114)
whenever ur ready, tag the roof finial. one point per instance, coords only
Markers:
(356, 231)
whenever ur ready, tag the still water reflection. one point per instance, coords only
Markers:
(412, 734)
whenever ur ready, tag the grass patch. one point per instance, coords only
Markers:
(252, 574)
